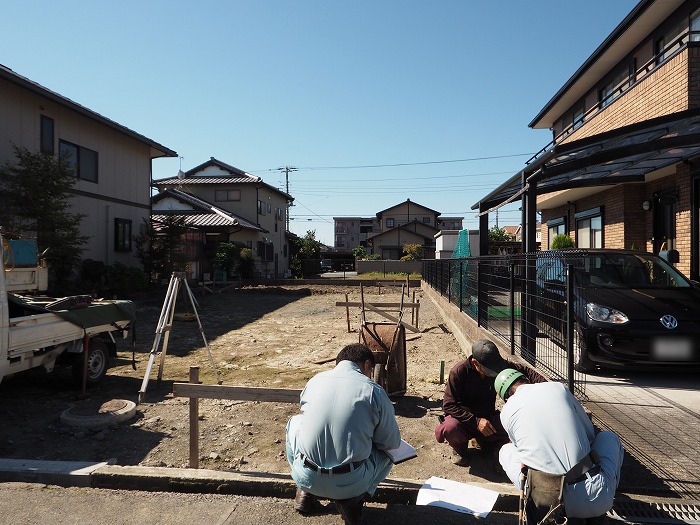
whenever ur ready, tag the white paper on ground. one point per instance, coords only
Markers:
(460, 497)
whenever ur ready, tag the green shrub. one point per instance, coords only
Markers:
(562, 242)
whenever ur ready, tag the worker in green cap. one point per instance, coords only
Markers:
(550, 432)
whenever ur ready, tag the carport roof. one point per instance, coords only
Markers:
(625, 154)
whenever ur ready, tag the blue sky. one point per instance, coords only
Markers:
(374, 102)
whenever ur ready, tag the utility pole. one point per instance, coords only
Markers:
(287, 170)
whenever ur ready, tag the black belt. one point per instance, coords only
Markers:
(340, 469)
(590, 472)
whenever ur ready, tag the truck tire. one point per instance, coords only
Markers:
(98, 363)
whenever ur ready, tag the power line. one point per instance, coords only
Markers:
(400, 164)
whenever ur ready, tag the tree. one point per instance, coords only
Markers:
(497, 234)
(235, 258)
(160, 247)
(414, 252)
(360, 252)
(35, 202)
(304, 248)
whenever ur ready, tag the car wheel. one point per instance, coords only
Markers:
(97, 362)
(582, 363)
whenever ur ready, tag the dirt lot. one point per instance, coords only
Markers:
(258, 336)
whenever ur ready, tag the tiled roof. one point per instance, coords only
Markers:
(204, 214)
(206, 180)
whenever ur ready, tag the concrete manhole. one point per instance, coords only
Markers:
(96, 415)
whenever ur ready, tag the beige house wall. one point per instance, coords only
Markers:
(407, 212)
(124, 166)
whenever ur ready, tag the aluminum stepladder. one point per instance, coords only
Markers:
(164, 326)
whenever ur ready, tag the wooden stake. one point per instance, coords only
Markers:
(194, 420)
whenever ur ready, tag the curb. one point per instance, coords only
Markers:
(166, 479)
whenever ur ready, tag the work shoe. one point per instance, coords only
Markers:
(351, 509)
(304, 502)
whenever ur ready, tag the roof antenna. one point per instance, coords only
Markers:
(180, 175)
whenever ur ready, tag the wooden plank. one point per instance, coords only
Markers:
(391, 317)
(380, 305)
(237, 393)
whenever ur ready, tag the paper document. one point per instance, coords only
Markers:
(402, 453)
(460, 497)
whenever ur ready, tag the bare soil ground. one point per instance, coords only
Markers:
(258, 336)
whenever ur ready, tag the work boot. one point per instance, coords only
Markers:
(351, 509)
(304, 502)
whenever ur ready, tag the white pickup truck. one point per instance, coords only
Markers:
(40, 331)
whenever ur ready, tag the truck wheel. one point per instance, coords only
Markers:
(98, 362)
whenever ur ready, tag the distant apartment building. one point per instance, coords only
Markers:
(351, 232)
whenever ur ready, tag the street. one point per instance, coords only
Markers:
(35, 504)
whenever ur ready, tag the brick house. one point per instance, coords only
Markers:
(112, 163)
(253, 213)
(623, 169)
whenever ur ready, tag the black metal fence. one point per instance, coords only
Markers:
(524, 300)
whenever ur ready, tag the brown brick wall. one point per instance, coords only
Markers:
(625, 223)
(666, 90)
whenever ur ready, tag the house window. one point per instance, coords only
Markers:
(390, 223)
(426, 220)
(47, 135)
(82, 161)
(555, 227)
(578, 115)
(278, 214)
(265, 250)
(589, 228)
(261, 208)
(695, 26)
(122, 235)
(227, 195)
(659, 48)
(614, 88)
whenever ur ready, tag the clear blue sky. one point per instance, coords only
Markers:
(371, 100)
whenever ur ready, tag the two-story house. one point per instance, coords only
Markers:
(623, 169)
(112, 163)
(405, 223)
(226, 204)
(372, 232)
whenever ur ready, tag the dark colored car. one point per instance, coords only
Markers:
(326, 265)
(632, 309)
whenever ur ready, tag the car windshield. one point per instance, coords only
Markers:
(612, 270)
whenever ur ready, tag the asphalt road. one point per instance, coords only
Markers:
(37, 504)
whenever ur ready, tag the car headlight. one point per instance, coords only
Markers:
(605, 314)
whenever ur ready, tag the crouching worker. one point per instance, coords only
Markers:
(551, 433)
(470, 401)
(334, 447)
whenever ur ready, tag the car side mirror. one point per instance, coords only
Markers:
(670, 256)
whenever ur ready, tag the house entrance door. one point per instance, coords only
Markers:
(665, 220)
